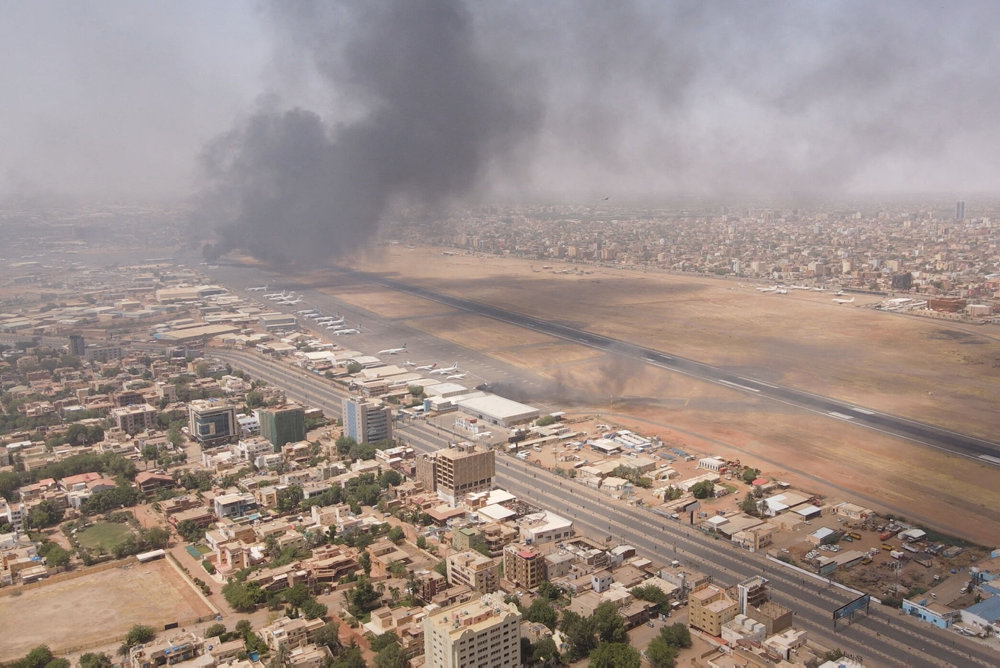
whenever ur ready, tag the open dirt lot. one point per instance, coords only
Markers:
(96, 607)
(933, 371)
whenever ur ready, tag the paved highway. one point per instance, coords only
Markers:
(883, 638)
(900, 427)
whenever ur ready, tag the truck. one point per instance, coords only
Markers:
(897, 554)
(886, 535)
(855, 535)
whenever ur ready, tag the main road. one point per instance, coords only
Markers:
(917, 432)
(882, 637)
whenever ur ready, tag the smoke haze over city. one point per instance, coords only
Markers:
(281, 111)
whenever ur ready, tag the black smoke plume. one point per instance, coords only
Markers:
(431, 116)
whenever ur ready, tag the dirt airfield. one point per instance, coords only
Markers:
(935, 371)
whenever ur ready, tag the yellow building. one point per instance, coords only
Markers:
(709, 607)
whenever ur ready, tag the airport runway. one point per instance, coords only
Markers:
(963, 445)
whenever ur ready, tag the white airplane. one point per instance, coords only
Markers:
(844, 301)
(409, 363)
(427, 367)
(282, 297)
(392, 351)
(297, 300)
(446, 370)
(306, 312)
(259, 288)
(346, 331)
(773, 288)
(457, 376)
(275, 295)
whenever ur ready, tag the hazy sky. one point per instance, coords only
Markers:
(568, 99)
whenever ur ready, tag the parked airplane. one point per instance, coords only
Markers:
(274, 295)
(427, 367)
(409, 363)
(392, 351)
(289, 301)
(844, 301)
(346, 331)
(773, 288)
(282, 296)
(259, 288)
(306, 312)
(446, 370)
(457, 376)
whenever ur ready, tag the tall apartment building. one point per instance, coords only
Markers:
(135, 418)
(77, 345)
(474, 570)
(367, 421)
(523, 565)
(709, 607)
(282, 425)
(211, 422)
(482, 633)
(461, 470)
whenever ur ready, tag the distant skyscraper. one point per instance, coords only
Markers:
(960, 210)
(77, 346)
(282, 425)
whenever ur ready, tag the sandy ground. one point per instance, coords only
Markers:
(111, 602)
(930, 370)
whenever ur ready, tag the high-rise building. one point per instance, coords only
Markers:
(523, 565)
(282, 425)
(960, 210)
(463, 469)
(482, 633)
(211, 422)
(367, 421)
(77, 346)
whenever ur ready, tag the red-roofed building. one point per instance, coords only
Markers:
(79, 481)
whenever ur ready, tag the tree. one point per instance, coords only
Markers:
(37, 658)
(549, 590)
(396, 534)
(750, 505)
(608, 624)
(297, 594)
(45, 514)
(365, 562)
(190, 531)
(344, 445)
(289, 498)
(541, 611)
(545, 421)
(749, 475)
(545, 652)
(329, 636)
(363, 597)
(421, 542)
(380, 642)
(313, 609)
(217, 629)
(136, 635)
(579, 633)
(243, 596)
(677, 635)
(92, 660)
(654, 595)
(703, 489)
(353, 367)
(614, 655)
(56, 556)
(391, 656)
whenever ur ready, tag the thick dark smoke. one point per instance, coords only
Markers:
(431, 116)
(382, 104)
